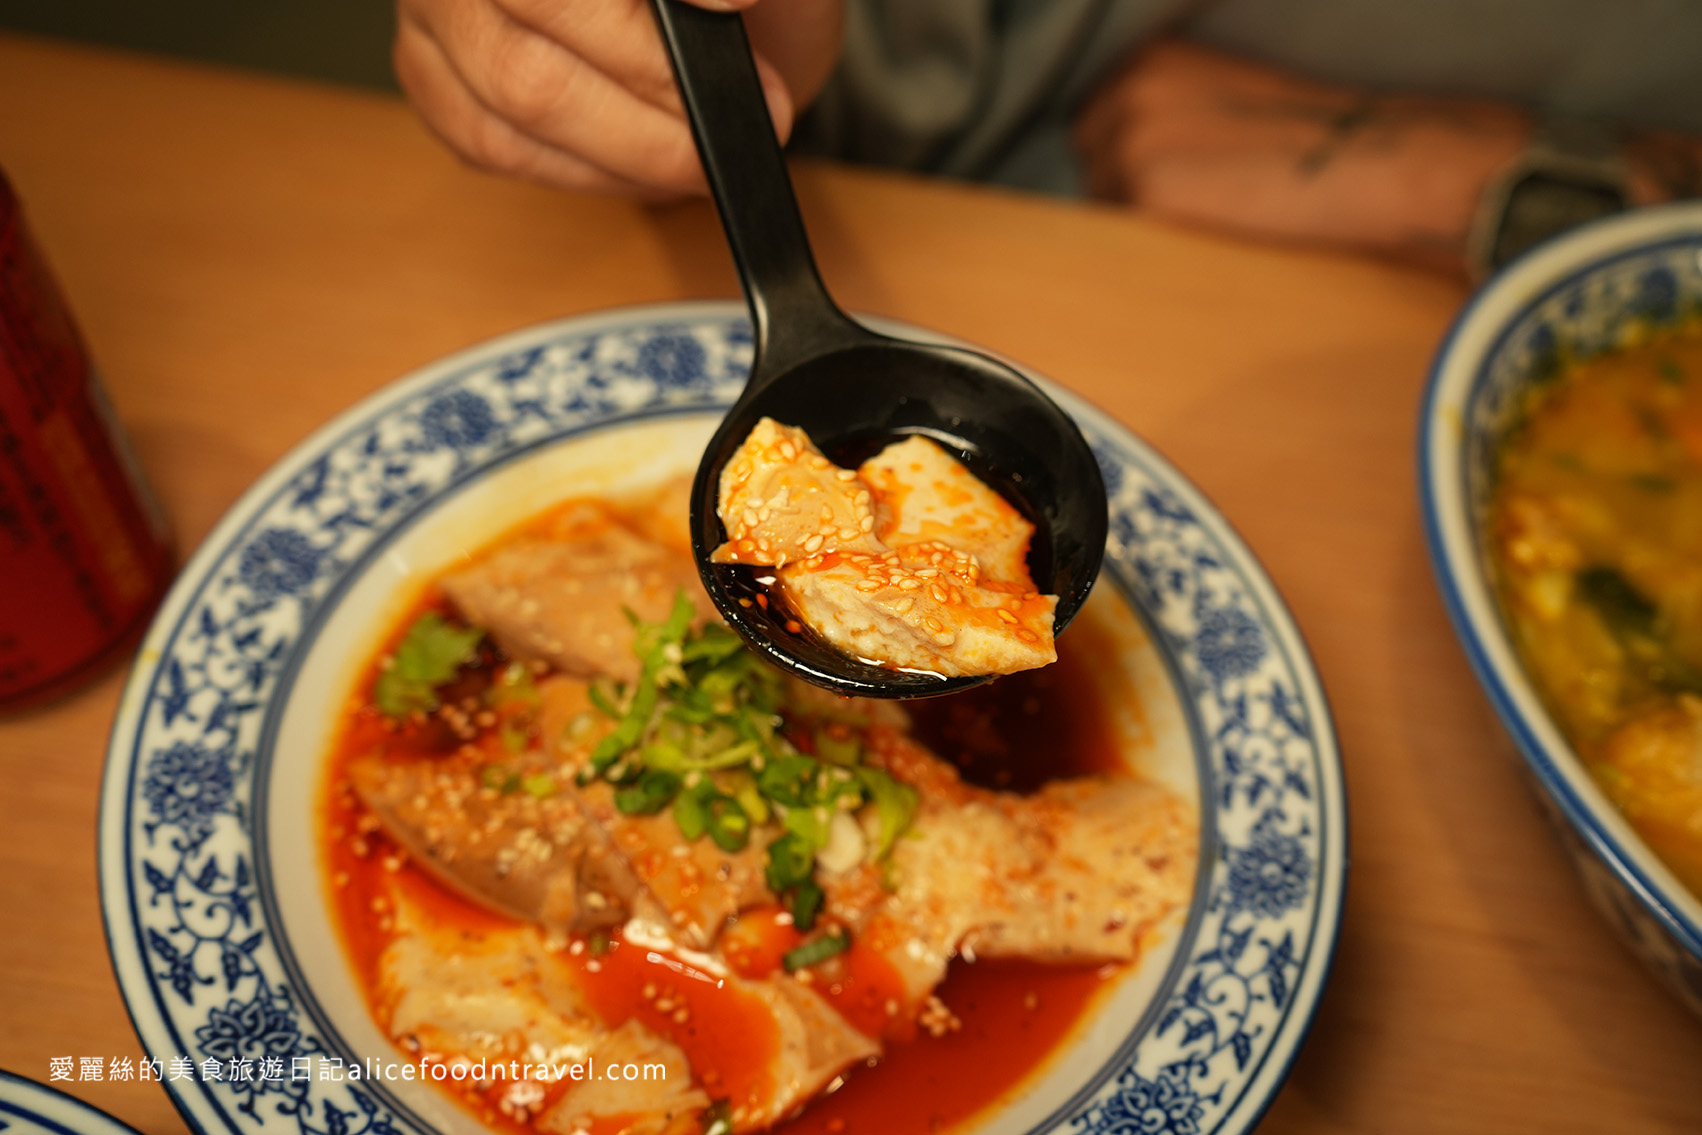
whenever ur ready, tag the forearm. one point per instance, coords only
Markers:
(1211, 140)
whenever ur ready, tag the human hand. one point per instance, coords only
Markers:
(579, 93)
(1209, 139)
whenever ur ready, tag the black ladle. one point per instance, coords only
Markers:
(851, 390)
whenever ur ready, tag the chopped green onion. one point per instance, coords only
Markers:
(745, 792)
(631, 727)
(513, 685)
(600, 943)
(714, 645)
(689, 811)
(605, 702)
(704, 705)
(539, 786)
(804, 901)
(687, 714)
(790, 861)
(838, 746)
(664, 756)
(895, 807)
(648, 794)
(809, 826)
(516, 733)
(718, 1119)
(786, 780)
(728, 825)
(817, 950)
(500, 779)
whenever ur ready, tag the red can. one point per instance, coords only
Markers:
(84, 554)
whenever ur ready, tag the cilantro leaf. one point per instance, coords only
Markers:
(428, 656)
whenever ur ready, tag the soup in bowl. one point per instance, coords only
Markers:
(1561, 470)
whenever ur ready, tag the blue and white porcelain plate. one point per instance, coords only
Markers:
(213, 891)
(31, 1108)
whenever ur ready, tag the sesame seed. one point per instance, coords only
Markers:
(938, 592)
(1026, 635)
(813, 543)
(867, 523)
(910, 584)
(1006, 615)
(904, 605)
(867, 585)
(933, 624)
(751, 519)
(794, 626)
(846, 475)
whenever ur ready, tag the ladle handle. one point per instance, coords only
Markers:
(793, 316)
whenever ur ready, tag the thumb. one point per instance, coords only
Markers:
(779, 97)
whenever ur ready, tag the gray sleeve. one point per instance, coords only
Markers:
(1628, 61)
(972, 88)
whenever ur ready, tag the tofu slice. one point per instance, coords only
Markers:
(782, 501)
(920, 618)
(924, 495)
(909, 561)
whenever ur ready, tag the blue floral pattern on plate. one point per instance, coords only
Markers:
(201, 965)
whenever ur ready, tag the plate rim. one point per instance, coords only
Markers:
(105, 1123)
(115, 862)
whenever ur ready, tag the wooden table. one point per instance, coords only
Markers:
(249, 256)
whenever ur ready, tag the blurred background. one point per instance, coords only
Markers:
(345, 41)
